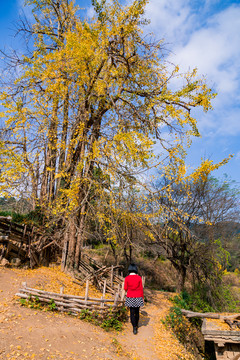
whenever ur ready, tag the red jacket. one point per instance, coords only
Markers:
(133, 286)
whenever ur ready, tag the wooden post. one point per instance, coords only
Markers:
(106, 254)
(102, 302)
(86, 291)
(23, 236)
(143, 281)
(64, 255)
(29, 251)
(116, 299)
(122, 291)
(61, 308)
(104, 292)
(104, 287)
(3, 252)
(111, 279)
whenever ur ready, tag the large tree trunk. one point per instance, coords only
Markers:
(53, 149)
(48, 177)
(63, 146)
(80, 238)
(72, 240)
(182, 278)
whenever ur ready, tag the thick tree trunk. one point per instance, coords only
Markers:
(48, 177)
(65, 251)
(80, 236)
(53, 149)
(182, 278)
(72, 240)
(63, 146)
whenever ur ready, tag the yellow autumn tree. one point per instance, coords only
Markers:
(93, 106)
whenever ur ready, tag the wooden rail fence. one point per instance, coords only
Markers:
(74, 304)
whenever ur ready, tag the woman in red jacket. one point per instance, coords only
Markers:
(134, 298)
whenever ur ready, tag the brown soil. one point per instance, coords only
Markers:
(33, 334)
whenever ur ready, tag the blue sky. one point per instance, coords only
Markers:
(199, 33)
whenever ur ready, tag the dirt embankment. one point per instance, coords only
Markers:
(33, 334)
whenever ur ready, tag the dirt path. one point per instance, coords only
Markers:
(29, 334)
(153, 341)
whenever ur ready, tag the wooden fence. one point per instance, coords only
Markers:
(22, 241)
(74, 304)
(99, 275)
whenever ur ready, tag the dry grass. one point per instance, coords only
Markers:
(232, 278)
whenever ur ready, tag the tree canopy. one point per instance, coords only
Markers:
(93, 106)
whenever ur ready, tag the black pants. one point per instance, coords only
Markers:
(134, 316)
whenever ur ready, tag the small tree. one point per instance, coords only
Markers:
(196, 215)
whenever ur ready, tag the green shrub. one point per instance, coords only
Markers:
(202, 300)
(194, 302)
(52, 306)
(112, 320)
(5, 213)
(33, 217)
(32, 302)
(219, 300)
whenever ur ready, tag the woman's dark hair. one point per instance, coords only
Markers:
(132, 268)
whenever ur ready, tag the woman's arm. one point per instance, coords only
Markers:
(125, 284)
(142, 287)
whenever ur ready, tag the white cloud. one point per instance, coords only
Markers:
(222, 121)
(210, 41)
(215, 50)
(169, 18)
(90, 12)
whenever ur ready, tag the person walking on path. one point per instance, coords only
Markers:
(134, 297)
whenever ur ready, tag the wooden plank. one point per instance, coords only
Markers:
(190, 314)
(219, 339)
(111, 276)
(104, 287)
(14, 251)
(64, 255)
(116, 299)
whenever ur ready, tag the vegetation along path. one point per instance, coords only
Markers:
(27, 333)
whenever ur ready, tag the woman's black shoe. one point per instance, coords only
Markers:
(135, 330)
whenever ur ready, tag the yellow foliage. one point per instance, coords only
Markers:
(96, 96)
